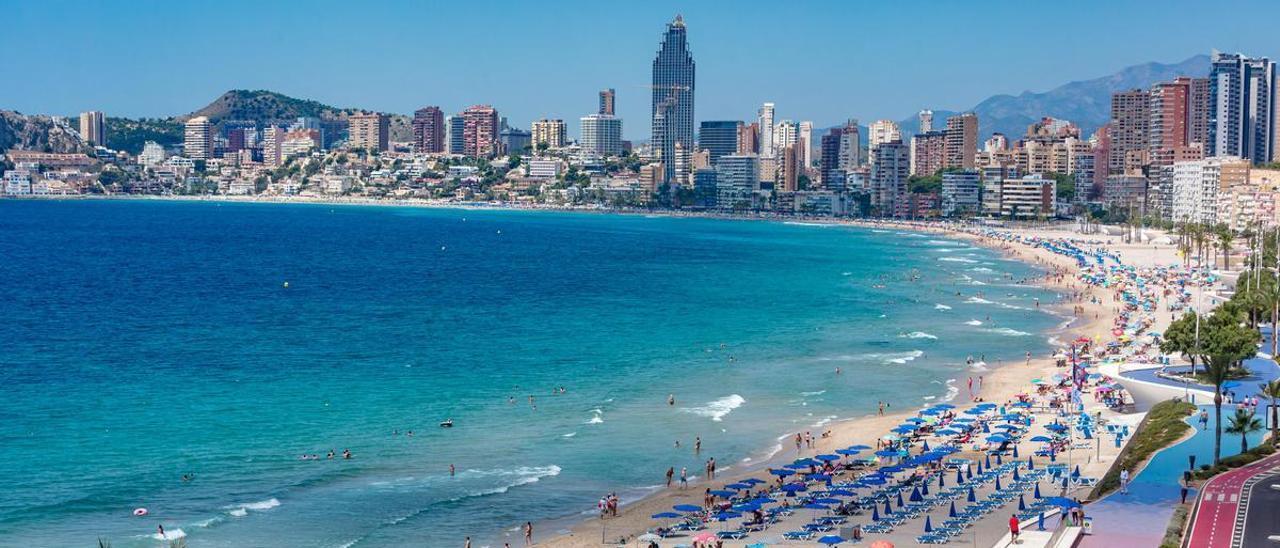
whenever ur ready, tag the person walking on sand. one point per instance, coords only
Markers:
(671, 472)
(1013, 529)
(684, 477)
(1124, 481)
(528, 533)
(467, 543)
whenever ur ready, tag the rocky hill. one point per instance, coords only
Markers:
(269, 107)
(38, 132)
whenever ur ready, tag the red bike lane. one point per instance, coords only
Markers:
(1215, 520)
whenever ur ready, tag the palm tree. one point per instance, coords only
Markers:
(1225, 238)
(1242, 424)
(1226, 341)
(1271, 391)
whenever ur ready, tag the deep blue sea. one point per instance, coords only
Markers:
(141, 341)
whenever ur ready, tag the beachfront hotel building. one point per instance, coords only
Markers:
(1197, 187)
(1031, 196)
(889, 174)
(602, 134)
(197, 139)
(928, 152)
(764, 119)
(368, 131)
(736, 180)
(961, 193)
(882, 131)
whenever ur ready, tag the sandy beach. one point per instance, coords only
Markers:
(1000, 384)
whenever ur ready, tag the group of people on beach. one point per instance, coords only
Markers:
(608, 505)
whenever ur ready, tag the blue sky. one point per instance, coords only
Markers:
(822, 61)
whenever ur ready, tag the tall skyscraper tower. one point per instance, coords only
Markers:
(197, 139)
(672, 106)
(1242, 104)
(606, 102)
(93, 128)
(926, 121)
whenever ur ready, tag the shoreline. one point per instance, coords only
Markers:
(1000, 383)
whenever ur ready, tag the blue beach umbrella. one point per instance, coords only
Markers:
(973, 497)
(942, 480)
(739, 486)
(928, 525)
(873, 480)
(793, 487)
(841, 492)
(686, 508)
(886, 453)
(1062, 502)
(1075, 473)
(980, 468)
(847, 452)
(915, 495)
(999, 459)
(807, 462)
(724, 493)
(782, 473)
(827, 500)
(952, 513)
(1042, 439)
(959, 476)
(858, 447)
(1015, 475)
(997, 483)
(925, 446)
(903, 429)
(725, 516)
(875, 513)
(1015, 451)
(831, 540)
(827, 458)
(900, 502)
(924, 488)
(988, 462)
(1037, 493)
(914, 420)
(665, 515)
(1022, 504)
(794, 466)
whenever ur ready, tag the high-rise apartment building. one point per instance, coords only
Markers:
(961, 141)
(785, 134)
(549, 133)
(197, 139)
(719, 138)
(369, 131)
(840, 153)
(889, 174)
(882, 131)
(602, 134)
(272, 145)
(748, 138)
(673, 92)
(480, 131)
(1242, 105)
(453, 130)
(1128, 130)
(606, 102)
(736, 179)
(928, 152)
(428, 130)
(93, 128)
(1178, 119)
(764, 117)
(791, 168)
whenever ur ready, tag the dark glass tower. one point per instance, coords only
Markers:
(672, 113)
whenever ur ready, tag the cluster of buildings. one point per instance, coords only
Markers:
(1186, 150)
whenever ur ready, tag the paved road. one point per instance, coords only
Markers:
(1261, 511)
(1219, 510)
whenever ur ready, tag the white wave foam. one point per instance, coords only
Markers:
(973, 322)
(169, 534)
(903, 357)
(818, 393)
(1008, 331)
(952, 391)
(597, 418)
(242, 510)
(981, 269)
(569, 435)
(977, 300)
(979, 366)
(939, 242)
(717, 409)
(957, 260)
(919, 335)
(941, 307)
(824, 421)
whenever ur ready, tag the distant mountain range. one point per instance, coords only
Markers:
(1087, 103)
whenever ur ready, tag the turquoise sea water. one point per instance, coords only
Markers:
(142, 341)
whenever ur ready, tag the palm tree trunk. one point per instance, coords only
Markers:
(1217, 426)
(1244, 443)
(1275, 336)
(1275, 429)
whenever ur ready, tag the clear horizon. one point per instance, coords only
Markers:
(530, 62)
